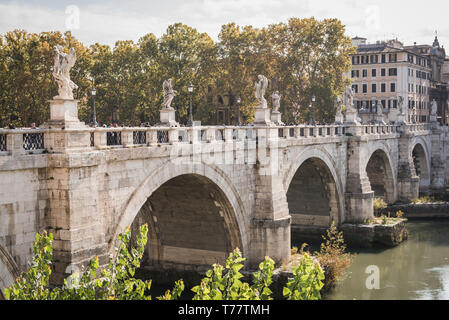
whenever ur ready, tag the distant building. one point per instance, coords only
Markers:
(439, 84)
(385, 71)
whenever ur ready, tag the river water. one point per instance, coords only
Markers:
(418, 269)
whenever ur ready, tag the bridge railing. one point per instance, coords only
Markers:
(24, 141)
(32, 141)
(379, 129)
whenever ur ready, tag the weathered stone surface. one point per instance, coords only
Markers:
(202, 199)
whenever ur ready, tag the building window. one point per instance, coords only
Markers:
(383, 72)
(373, 88)
(355, 87)
(393, 72)
(383, 87)
(364, 73)
(393, 87)
(384, 60)
(393, 57)
(365, 88)
(374, 73)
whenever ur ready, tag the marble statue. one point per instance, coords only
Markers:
(276, 99)
(401, 105)
(338, 106)
(61, 72)
(349, 98)
(261, 88)
(379, 108)
(433, 108)
(169, 94)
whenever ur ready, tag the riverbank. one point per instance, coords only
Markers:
(418, 269)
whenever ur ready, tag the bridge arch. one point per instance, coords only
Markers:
(420, 155)
(313, 176)
(381, 173)
(194, 213)
(8, 270)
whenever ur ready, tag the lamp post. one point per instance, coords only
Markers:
(190, 122)
(238, 112)
(313, 109)
(94, 94)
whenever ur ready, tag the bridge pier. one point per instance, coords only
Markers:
(73, 215)
(408, 181)
(270, 225)
(359, 196)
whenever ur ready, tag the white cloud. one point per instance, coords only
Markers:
(106, 22)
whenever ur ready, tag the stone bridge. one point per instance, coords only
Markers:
(203, 190)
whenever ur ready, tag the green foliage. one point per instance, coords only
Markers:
(33, 285)
(307, 281)
(224, 283)
(114, 282)
(332, 255)
(379, 205)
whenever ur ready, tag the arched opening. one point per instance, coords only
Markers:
(8, 271)
(192, 225)
(421, 167)
(312, 195)
(380, 176)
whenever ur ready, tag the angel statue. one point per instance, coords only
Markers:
(401, 105)
(349, 98)
(434, 108)
(169, 94)
(338, 106)
(276, 100)
(261, 87)
(379, 108)
(61, 72)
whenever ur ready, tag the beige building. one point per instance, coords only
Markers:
(388, 73)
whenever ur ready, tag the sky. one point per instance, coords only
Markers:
(108, 21)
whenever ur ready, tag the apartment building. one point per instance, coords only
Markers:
(386, 71)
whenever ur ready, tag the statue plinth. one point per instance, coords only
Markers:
(64, 114)
(351, 116)
(276, 118)
(68, 133)
(168, 118)
(380, 119)
(262, 116)
(339, 119)
(433, 118)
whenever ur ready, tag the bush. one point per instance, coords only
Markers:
(116, 280)
(379, 205)
(333, 257)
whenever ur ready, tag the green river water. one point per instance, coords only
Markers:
(418, 269)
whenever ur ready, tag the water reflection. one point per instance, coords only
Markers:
(417, 269)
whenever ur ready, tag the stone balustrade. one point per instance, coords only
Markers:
(32, 141)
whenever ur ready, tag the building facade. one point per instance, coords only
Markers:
(391, 75)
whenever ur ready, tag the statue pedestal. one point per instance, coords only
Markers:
(401, 118)
(380, 119)
(67, 133)
(168, 118)
(276, 118)
(339, 119)
(351, 117)
(262, 116)
(433, 118)
(64, 114)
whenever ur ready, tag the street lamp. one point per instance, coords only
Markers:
(313, 108)
(238, 112)
(190, 122)
(94, 94)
